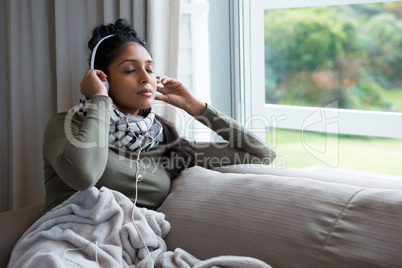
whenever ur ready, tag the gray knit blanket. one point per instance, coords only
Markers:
(97, 228)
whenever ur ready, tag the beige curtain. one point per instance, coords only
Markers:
(43, 56)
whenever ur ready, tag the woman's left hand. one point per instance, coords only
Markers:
(176, 94)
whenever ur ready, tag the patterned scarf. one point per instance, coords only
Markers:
(135, 133)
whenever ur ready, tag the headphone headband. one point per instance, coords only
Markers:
(94, 51)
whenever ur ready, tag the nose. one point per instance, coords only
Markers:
(144, 77)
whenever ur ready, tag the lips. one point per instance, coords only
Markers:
(145, 92)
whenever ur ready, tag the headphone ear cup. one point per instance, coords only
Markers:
(106, 83)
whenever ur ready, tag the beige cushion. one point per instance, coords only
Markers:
(284, 221)
(351, 177)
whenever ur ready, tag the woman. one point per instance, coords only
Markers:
(114, 139)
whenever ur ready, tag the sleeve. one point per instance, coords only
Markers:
(78, 150)
(241, 146)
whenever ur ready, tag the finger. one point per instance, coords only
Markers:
(161, 98)
(101, 75)
(97, 73)
(162, 89)
(168, 85)
(161, 80)
(164, 79)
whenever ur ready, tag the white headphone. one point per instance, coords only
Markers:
(106, 83)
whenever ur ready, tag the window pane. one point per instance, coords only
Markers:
(351, 54)
(194, 48)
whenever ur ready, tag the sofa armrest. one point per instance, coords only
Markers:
(13, 224)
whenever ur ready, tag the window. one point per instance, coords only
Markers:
(287, 78)
(194, 47)
(325, 128)
(323, 113)
(205, 60)
(349, 54)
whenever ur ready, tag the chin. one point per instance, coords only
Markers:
(147, 105)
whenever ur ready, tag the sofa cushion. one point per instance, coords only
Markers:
(350, 177)
(284, 221)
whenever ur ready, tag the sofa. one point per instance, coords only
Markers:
(285, 217)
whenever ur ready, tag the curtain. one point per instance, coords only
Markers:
(43, 56)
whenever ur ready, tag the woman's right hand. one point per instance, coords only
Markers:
(176, 94)
(92, 84)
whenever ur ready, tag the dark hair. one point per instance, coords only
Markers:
(111, 47)
(180, 151)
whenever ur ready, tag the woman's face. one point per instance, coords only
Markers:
(132, 79)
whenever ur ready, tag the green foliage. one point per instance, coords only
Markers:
(382, 39)
(307, 39)
(351, 54)
(368, 94)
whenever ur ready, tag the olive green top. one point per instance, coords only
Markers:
(77, 156)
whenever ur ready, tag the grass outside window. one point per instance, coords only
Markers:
(298, 150)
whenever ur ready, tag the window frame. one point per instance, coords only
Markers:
(259, 116)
